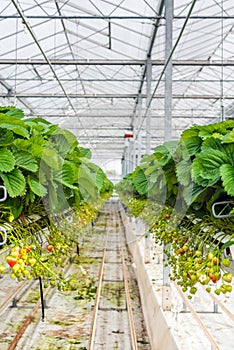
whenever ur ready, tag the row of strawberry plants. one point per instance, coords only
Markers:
(46, 174)
(173, 191)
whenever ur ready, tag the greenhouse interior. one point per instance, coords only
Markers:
(116, 174)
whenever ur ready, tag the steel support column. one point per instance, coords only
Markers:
(148, 106)
(134, 141)
(127, 156)
(148, 138)
(168, 71)
(123, 165)
(169, 5)
(124, 162)
(132, 154)
(139, 140)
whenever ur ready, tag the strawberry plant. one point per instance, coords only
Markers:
(173, 191)
(46, 174)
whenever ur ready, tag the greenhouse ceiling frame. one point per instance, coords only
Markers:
(96, 77)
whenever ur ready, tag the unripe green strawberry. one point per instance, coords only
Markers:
(226, 262)
(2, 269)
(227, 277)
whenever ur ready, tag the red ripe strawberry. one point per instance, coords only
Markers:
(50, 247)
(11, 260)
(180, 251)
(212, 277)
(167, 216)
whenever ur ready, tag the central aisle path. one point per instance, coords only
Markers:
(118, 321)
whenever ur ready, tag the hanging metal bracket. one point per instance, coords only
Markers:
(2, 229)
(4, 194)
(223, 209)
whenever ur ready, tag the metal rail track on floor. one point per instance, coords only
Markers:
(30, 317)
(101, 280)
(12, 296)
(26, 323)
